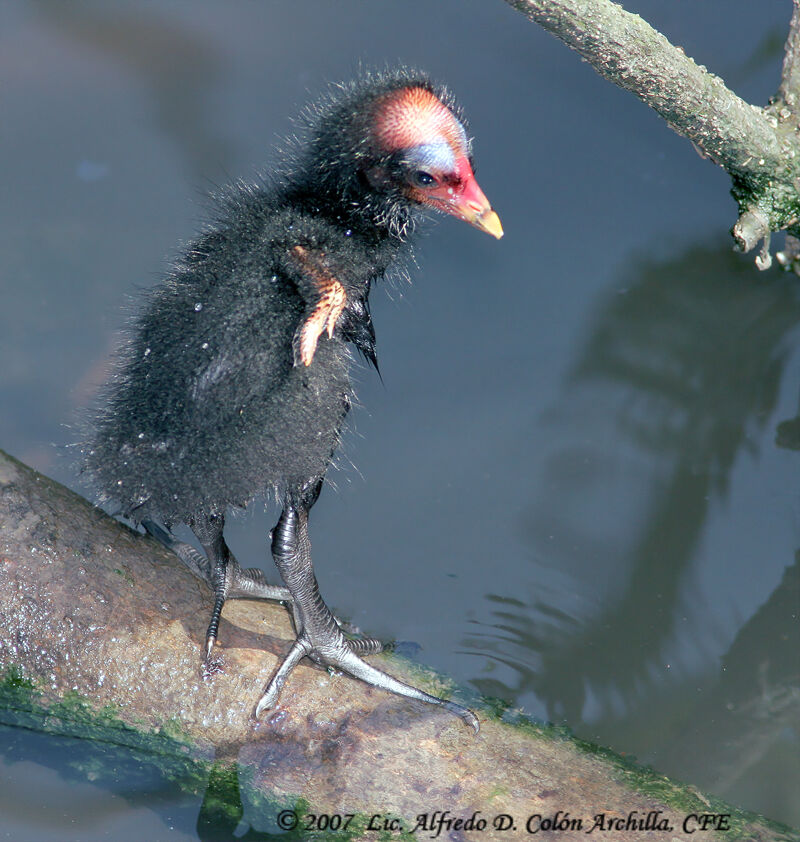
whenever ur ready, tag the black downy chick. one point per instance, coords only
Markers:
(236, 379)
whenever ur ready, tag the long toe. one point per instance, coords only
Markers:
(342, 654)
(191, 557)
(251, 583)
(366, 645)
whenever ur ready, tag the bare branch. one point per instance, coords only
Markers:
(758, 147)
(789, 258)
(626, 50)
(751, 227)
(789, 91)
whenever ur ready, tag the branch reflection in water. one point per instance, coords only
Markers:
(677, 381)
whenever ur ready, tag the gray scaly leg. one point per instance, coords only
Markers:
(320, 636)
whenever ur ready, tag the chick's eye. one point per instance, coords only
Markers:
(420, 178)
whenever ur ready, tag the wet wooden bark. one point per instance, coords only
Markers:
(88, 605)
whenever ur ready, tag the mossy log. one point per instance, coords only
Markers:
(98, 614)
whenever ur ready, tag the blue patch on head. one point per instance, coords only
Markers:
(437, 156)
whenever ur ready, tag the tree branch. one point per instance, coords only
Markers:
(758, 150)
(626, 50)
(789, 91)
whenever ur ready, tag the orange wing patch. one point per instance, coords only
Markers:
(326, 309)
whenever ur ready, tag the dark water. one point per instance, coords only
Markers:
(578, 487)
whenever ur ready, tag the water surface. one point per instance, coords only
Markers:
(577, 488)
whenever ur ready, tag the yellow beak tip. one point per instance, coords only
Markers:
(490, 223)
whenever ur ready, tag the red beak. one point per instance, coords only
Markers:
(465, 200)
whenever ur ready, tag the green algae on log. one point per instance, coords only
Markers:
(103, 631)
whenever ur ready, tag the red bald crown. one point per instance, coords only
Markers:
(413, 116)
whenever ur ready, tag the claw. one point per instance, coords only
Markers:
(211, 667)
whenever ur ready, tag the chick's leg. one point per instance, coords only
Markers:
(220, 570)
(319, 636)
(208, 529)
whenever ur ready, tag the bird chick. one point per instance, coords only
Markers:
(235, 382)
